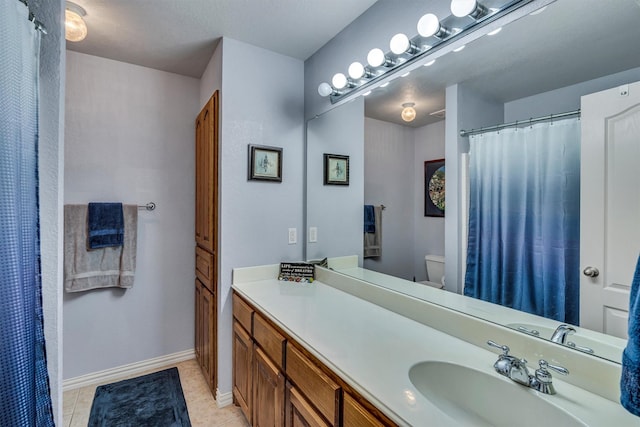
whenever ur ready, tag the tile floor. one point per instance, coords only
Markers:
(203, 410)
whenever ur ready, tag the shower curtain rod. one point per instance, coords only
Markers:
(566, 115)
(39, 25)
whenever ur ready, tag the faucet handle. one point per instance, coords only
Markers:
(504, 348)
(544, 365)
(542, 380)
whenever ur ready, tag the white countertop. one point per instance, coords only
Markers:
(372, 349)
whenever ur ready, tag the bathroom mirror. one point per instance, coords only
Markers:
(573, 47)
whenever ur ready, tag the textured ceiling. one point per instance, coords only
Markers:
(571, 41)
(180, 36)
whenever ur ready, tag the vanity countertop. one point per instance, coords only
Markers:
(373, 349)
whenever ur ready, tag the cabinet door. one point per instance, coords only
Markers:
(207, 175)
(268, 391)
(299, 412)
(242, 369)
(356, 415)
(198, 321)
(207, 334)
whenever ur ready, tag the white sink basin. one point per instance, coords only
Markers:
(475, 398)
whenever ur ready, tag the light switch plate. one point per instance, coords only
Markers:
(293, 236)
(313, 234)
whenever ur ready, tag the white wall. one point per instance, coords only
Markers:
(262, 103)
(564, 99)
(389, 151)
(394, 176)
(130, 137)
(428, 231)
(465, 110)
(51, 161)
(336, 210)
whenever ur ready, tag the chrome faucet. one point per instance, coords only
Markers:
(516, 370)
(561, 333)
(510, 366)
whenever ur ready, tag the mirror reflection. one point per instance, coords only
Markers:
(540, 65)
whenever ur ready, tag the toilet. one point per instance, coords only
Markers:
(435, 271)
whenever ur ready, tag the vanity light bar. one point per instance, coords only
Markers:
(433, 35)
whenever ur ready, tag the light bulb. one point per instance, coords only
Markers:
(399, 44)
(428, 25)
(462, 8)
(75, 29)
(339, 81)
(408, 112)
(376, 57)
(325, 89)
(356, 70)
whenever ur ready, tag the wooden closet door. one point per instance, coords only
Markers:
(207, 175)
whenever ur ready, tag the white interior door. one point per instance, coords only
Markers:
(609, 206)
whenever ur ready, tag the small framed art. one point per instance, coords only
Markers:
(434, 178)
(265, 163)
(336, 169)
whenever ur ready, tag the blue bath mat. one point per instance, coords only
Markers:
(150, 400)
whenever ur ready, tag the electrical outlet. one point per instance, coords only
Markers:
(293, 236)
(313, 234)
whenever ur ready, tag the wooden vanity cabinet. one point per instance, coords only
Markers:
(277, 383)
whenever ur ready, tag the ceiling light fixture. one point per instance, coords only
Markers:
(75, 29)
(458, 49)
(494, 32)
(430, 63)
(433, 34)
(408, 112)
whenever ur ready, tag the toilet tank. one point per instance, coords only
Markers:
(435, 268)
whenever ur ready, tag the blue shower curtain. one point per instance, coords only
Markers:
(524, 219)
(24, 388)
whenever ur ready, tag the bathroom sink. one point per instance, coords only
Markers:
(475, 398)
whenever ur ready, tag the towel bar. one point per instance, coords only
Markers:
(149, 206)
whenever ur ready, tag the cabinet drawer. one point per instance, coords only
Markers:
(269, 339)
(312, 382)
(243, 313)
(356, 415)
(204, 268)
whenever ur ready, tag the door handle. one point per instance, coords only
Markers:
(591, 272)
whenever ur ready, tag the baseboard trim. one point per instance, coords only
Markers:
(118, 372)
(223, 399)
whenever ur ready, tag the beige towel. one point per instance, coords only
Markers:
(373, 241)
(97, 268)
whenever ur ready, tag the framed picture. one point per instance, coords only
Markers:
(265, 163)
(336, 169)
(434, 175)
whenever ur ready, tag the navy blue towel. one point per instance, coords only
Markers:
(105, 225)
(369, 219)
(630, 379)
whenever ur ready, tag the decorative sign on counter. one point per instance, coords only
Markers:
(296, 272)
